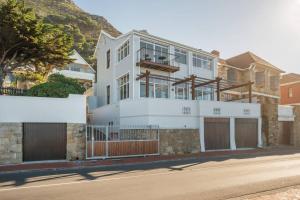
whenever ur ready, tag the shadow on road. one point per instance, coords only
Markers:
(93, 173)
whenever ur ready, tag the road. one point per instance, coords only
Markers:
(222, 178)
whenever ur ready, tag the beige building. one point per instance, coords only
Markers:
(248, 67)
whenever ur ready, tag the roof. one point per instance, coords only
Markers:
(289, 78)
(243, 61)
(77, 59)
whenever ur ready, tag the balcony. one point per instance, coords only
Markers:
(158, 60)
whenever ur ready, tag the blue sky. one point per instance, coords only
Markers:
(268, 28)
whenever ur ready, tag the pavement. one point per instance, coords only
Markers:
(217, 177)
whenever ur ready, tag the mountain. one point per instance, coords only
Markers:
(84, 27)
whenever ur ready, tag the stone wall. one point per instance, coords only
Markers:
(270, 125)
(296, 127)
(76, 141)
(179, 141)
(11, 143)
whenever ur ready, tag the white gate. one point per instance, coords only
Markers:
(112, 141)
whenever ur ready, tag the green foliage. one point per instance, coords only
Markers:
(30, 76)
(26, 40)
(57, 86)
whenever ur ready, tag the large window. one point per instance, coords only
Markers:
(181, 56)
(108, 94)
(202, 62)
(123, 83)
(204, 93)
(154, 52)
(260, 78)
(123, 51)
(157, 88)
(274, 83)
(231, 74)
(107, 59)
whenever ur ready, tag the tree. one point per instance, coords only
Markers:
(57, 86)
(26, 41)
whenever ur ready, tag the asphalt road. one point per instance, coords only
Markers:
(221, 178)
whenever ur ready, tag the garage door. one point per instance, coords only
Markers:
(246, 133)
(217, 133)
(285, 129)
(44, 141)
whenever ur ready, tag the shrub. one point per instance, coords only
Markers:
(57, 86)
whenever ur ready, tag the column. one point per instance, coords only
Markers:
(201, 133)
(232, 133)
(259, 133)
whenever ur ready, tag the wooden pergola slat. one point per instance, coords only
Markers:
(249, 84)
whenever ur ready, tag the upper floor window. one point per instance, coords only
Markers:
(123, 51)
(231, 74)
(75, 67)
(107, 59)
(181, 56)
(123, 84)
(290, 92)
(108, 94)
(202, 61)
(260, 78)
(274, 83)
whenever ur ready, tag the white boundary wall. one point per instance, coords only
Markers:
(43, 109)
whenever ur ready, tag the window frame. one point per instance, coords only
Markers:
(108, 94)
(123, 86)
(108, 59)
(181, 53)
(121, 50)
(199, 60)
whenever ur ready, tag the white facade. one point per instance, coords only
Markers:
(19, 109)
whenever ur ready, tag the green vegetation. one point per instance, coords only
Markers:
(83, 27)
(28, 42)
(57, 86)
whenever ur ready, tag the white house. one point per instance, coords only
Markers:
(78, 69)
(147, 80)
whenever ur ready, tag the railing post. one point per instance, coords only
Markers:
(218, 89)
(250, 92)
(86, 141)
(93, 140)
(106, 142)
(193, 88)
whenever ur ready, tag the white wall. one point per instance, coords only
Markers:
(106, 114)
(285, 113)
(43, 109)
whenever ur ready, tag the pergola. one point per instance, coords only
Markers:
(218, 84)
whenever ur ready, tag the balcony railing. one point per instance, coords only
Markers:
(12, 91)
(159, 60)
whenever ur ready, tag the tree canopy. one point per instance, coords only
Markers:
(27, 41)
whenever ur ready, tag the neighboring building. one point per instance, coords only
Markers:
(147, 80)
(79, 69)
(266, 90)
(290, 89)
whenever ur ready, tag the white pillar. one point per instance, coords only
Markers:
(232, 133)
(201, 133)
(259, 133)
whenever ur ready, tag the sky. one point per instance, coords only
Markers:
(268, 28)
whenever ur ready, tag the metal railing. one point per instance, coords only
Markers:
(12, 91)
(156, 56)
(116, 141)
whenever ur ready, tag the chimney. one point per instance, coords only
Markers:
(216, 53)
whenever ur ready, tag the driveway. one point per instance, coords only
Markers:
(216, 178)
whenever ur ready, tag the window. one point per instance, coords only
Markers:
(231, 74)
(290, 93)
(123, 51)
(260, 78)
(204, 93)
(181, 92)
(202, 62)
(108, 94)
(157, 88)
(107, 59)
(123, 83)
(274, 83)
(180, 56)
(154, 52)
(74, 67)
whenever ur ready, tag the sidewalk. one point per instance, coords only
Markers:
(56, 165)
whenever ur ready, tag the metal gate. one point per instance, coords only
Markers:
(44, 141)
(112, 141)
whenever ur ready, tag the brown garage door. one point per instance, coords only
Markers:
(44, 141)
(246, 133)
(285, 129)
(217, 133)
